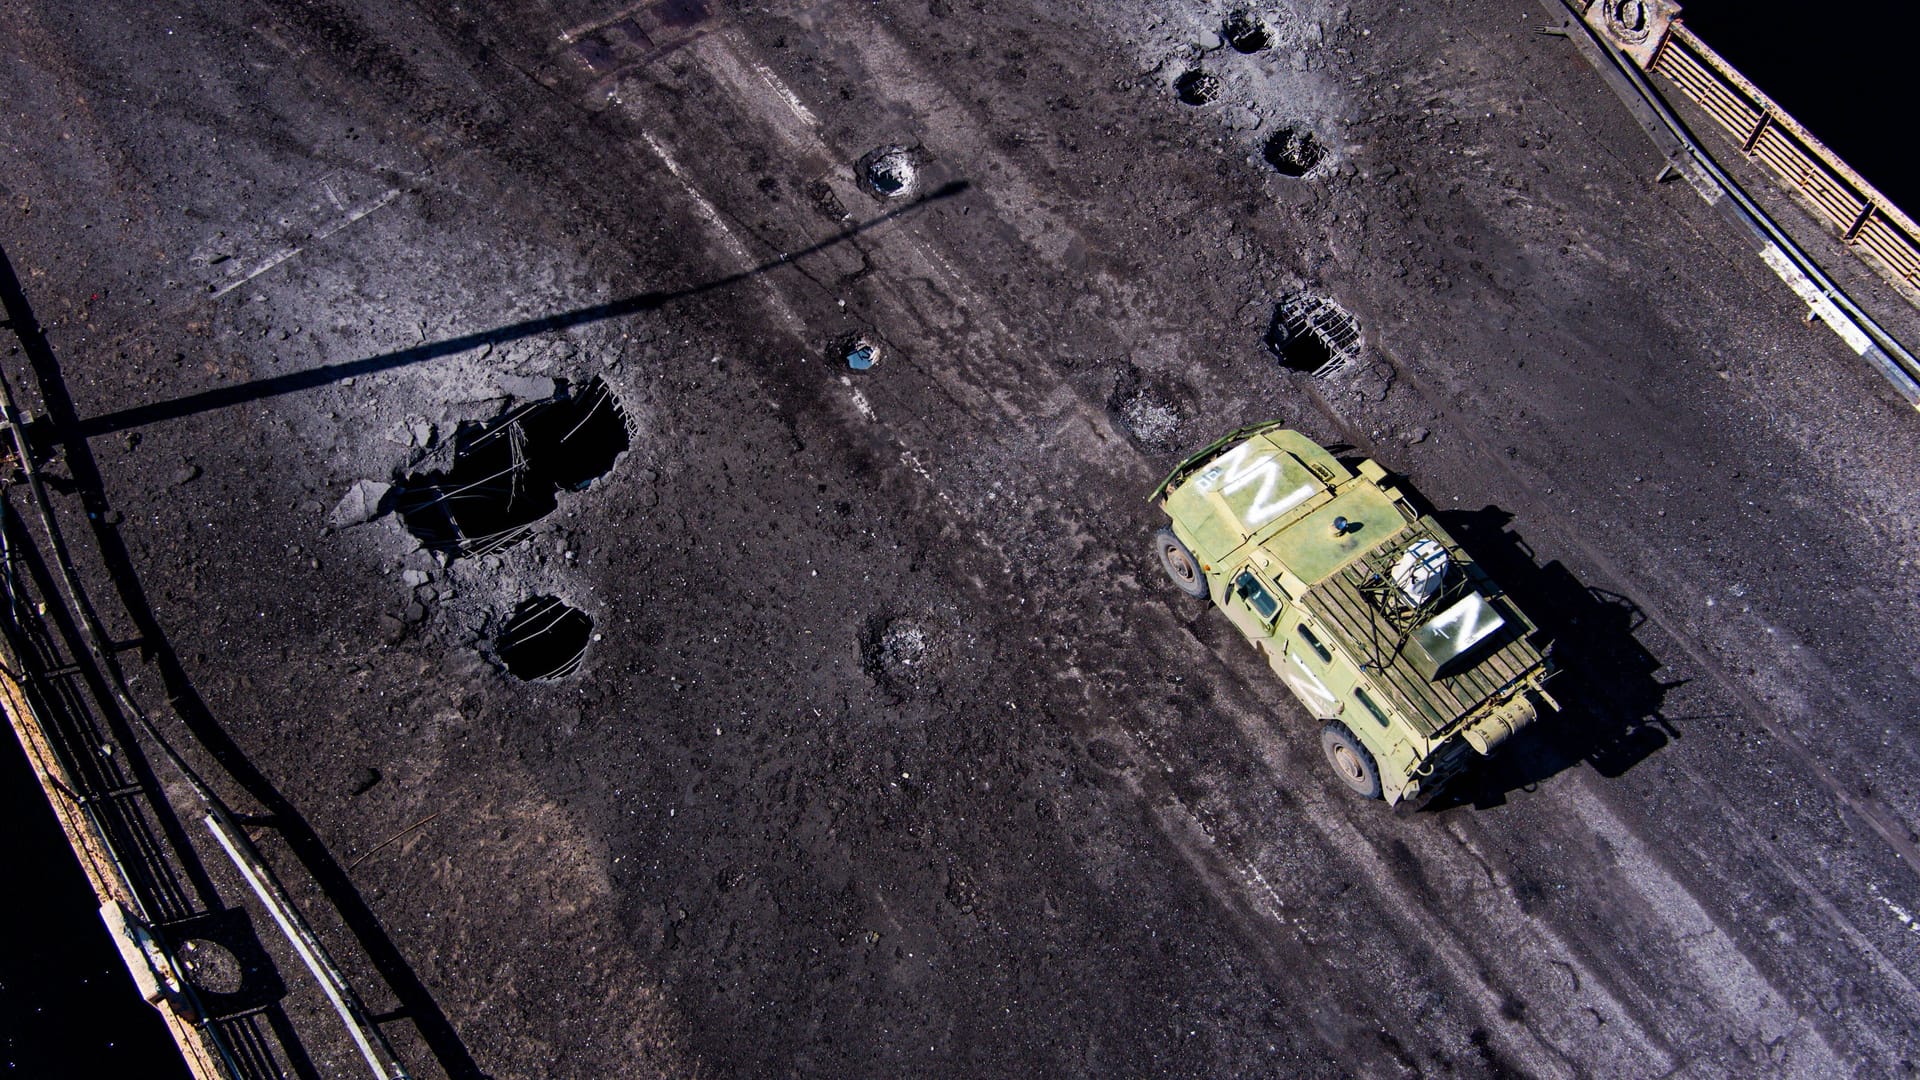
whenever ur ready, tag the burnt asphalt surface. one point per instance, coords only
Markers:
(894, 755)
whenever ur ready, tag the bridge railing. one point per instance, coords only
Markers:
(1653, 36)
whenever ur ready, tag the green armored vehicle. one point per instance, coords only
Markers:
(1367, 609)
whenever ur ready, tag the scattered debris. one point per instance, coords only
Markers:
(363, 502)
(1197, 87)
(1313, 334)
(820, 194)
(421, 432)
(892, 647)
(504, 475)
(527, 387)
(897, 654)
(1246, 33)
(1155, 423)
(1293, 151)
(1143, 413)
(381, 846)
(889, 172)
(544, 639)
(903, 645)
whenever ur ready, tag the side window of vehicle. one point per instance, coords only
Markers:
(1313, 642)
(1366, 701)
(1256, 595)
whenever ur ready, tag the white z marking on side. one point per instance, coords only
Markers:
(1307, 687)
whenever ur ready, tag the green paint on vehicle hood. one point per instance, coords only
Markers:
(1263, 483)
(1312, 550)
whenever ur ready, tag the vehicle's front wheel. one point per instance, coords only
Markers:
(1179, 563)
(1350, 760)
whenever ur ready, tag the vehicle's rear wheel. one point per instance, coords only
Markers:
(1350, 761)
(1179, 563)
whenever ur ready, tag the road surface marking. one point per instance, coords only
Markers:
(284, 254)
(792, 99)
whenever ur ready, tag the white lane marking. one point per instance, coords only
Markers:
(732, 69)
(866, 409)
(912, 461)
(1725, 975)
(711, 215)
(1527, 947)
(568, 37)
(792, 99)
(1249, 870)
(1906, 917)
(708, 212)
(284, 254)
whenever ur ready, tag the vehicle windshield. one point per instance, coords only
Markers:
(1256, 595)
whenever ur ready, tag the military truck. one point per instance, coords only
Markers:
(1417, 662)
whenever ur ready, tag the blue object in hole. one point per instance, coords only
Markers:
(861, 356)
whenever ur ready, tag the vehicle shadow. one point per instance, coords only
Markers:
(1608, 689)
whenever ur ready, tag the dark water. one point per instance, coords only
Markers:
(67, 1005)
(1844, 69)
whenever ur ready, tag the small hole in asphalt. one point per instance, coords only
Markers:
(1293, 151)
(889, 172)
(543, 639)
(1245, 33)
(1313, 334)
(1197, 87)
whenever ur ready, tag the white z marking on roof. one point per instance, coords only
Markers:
(1241, 468)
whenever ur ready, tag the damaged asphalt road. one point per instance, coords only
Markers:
(876, 745)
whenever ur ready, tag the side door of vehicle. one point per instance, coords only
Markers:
(1254, 607)
(1311, 669)
(1330, 685)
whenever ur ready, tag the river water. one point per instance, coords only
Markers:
(67, 1005)
(1843, 69)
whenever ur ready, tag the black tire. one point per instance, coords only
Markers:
(1179, 563)
(1351, 762)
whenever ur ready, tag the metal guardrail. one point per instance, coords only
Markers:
(115, 822)
(83, 741)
